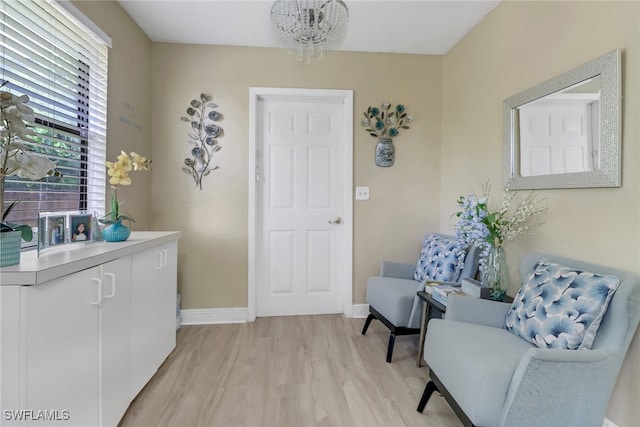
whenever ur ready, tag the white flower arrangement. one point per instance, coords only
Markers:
(485, 228)
(16, 158)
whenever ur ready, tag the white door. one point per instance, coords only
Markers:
(555, 138)
(300, 206)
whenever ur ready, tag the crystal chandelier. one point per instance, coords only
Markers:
(307, 28)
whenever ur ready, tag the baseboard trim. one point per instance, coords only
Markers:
(360, 311)
(212, 316)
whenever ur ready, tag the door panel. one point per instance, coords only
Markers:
(555, 138)
(300, 251)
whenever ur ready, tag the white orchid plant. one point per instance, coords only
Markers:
(16, 158)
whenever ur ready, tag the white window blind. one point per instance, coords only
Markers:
(54, 57)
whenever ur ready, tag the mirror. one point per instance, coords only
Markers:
(565, 132)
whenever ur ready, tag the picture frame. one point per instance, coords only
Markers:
(80, 228)
(52, 230)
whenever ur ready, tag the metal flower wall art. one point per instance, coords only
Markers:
(203, 138)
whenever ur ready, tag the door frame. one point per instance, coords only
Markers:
(296, 95)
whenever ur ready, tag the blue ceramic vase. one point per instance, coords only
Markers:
(117, 232)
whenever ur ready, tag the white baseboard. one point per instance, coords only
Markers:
(211, 316)
(360, 311)
(608, 423)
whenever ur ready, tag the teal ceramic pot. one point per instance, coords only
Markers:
(117, 232)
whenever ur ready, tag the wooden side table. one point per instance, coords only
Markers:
(431, 309)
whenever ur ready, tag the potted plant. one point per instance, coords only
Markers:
(119, 175)
(16, 158)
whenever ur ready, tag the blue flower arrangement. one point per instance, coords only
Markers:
(485, 228)
(386, 121)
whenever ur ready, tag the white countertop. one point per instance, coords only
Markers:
(67, 259)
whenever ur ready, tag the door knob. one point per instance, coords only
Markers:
(336, 220)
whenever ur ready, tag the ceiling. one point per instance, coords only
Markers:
(429, 27)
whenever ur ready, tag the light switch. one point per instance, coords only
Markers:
(362, 193)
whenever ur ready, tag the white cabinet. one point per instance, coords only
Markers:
(77, 344)
(72, 325)
(115, 349)
(153, 302)
(61, 321)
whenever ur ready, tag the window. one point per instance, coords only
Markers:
(52, 53)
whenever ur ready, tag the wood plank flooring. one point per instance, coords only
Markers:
(288, 372)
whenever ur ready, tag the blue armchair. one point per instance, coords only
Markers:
(501, 364)
(392, 295)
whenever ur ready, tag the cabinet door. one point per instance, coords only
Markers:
(115, 333)
(153, 305)
(61, 321)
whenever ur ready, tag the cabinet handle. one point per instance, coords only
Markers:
(98, 302)
(165, 256)
(113, 285)
(159, 266)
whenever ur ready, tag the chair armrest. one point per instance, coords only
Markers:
(479, 311)
(397, 269)
(540, 369)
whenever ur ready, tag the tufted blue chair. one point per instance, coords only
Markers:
(522, 364)
(392, 295)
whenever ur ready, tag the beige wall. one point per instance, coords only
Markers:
(517, 46)
(129, 100)
(214, 221)
(455, 143)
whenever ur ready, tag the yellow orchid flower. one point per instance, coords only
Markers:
(118, 172)
(140, 163)
(124, 161)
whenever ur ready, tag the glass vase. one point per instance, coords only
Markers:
(385, 152)
(495, 273)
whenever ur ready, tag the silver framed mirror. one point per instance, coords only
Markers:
(566, 132)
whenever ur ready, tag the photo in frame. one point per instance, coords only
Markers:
(51, 230)
(80, 227)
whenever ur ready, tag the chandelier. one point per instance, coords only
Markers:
(308, 28)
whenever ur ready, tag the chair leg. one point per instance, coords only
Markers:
(428, 391)
(367, 323)
(392, 341)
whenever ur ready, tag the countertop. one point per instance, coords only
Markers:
(67, 259)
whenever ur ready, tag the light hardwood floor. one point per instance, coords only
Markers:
(288, 372)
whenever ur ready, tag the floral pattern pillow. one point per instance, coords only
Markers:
(439, 259)
(560, 307)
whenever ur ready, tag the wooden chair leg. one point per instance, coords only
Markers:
(392, 341)
(428, 391)
(367, 323)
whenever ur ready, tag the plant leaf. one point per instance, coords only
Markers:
(7, 211)
(185, 119)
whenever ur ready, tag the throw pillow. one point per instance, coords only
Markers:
(560, 307)
(439, 259)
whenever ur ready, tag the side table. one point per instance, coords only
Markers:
(433, 309)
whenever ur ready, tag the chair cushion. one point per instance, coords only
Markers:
(392, 297)
(440, 259)
(475, 363)
(559, 306)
